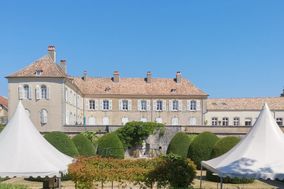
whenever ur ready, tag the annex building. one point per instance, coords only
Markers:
(57, 101)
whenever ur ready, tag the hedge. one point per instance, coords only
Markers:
(84, 146)
(180, 143)
(201, 147)
(62, 143)
(110, 145)
(221, 147)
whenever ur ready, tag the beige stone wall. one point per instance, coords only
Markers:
(53, 105)
(3, 115)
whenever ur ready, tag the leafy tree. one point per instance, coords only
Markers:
(133, 133)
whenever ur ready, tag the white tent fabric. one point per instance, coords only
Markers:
(25, 153)
(260, 154)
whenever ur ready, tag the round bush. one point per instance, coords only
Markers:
(201, 147)
(62, 143)
(180, 143)
(84, 146)
(221, 147)
(110, 145)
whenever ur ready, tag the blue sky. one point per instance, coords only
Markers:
(228, 48)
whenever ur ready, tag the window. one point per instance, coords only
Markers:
(143, 105)
(174, 121)
(159, 120)
(175, 105)
(143, 119)
(92, 121)
(124, 120)
(159, 105)
(124, 104)
(92, 104)
(193, 105)
(192, 121)
(26, 92)
(236, 121)
(214, 121)
(248, 121)
(38, 72)
(225, 121)
(105, 121)
(105, 104)
(279, 121)
(43, 92)
(43, 116)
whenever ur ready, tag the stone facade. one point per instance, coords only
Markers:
(3, 110)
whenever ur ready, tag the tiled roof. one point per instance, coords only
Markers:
(44, 64)
(4, 101)
(137, 86)
(223, 104)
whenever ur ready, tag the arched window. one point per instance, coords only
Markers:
(26, 92)
(43, 89)
(43, 116)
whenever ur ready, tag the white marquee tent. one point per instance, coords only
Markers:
(260, 154)
(25, 152)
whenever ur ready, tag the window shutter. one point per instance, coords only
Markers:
(30, 92)
(48, 93)
(87, 104)
(170, 105)
(197, 105)
(38, 90)
(155, 105)
(110, 104)
(129, 105)
(180, 105)
(97, 104)
(188, 105)
(120, 105)
(102, 104)
(20, 92)
(164, 105)
(139, 105)
(45, 116)
(148, 105)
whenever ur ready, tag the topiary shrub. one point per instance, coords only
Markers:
(62, 143)
(180, 143)
(84, 146)
(201, 147)
(221, 147)
(110, 145)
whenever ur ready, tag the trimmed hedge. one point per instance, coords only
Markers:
(110, 145)
(62, 143)
(84, 146)
(201, 147)
(221, 147)
(180, 143)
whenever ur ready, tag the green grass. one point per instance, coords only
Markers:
(10, 186)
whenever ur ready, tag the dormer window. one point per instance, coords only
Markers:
(38, 72)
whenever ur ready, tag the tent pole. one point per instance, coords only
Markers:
(59, 182)
(201, 177)
(221, 178)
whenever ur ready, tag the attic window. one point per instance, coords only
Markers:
(214, 103)
(173, 90)
(107, 89)
(223, 103)
(38, 72)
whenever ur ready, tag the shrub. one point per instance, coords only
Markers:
(84, 146)
(133, 133)
(201, 147)
(173, 170)
(1, 127)
(62, 143)
(179, 144)
(221, 147)
(110, 145)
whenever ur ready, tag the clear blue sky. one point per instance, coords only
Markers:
(228, 48)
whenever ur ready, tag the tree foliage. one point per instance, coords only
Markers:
(84, 146)
(110, 145)
(133, 133)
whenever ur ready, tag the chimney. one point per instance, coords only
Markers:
(85, 75)
(52, 53)
(282, 95)
(116, 76)
(178, 77)
(63, 65)
(149, 77)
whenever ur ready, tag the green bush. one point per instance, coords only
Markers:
(221, 147)
(62, 143)
(110, 145)
(180, 143)
(201, 147)
(133, 133)
(84, 146)
(173, 170)
(1, 127)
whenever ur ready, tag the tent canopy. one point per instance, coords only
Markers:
(260, 154)
(25, 152)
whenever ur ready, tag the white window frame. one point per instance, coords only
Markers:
(236, 121)
(92, 104)
(225, 121)
(43, 116)
(26, 91)
(279, 121)
(175, 105)
(124, 105)
(105, 104)
(43, 92)
(159, 105)
(143, 105)
(248, 120)
(214, 121)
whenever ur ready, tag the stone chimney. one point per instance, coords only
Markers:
(115, 76)
(149, 77)
(52, 52)
(178, 77)
(63, 65)
(282, 95)
(85, 75)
